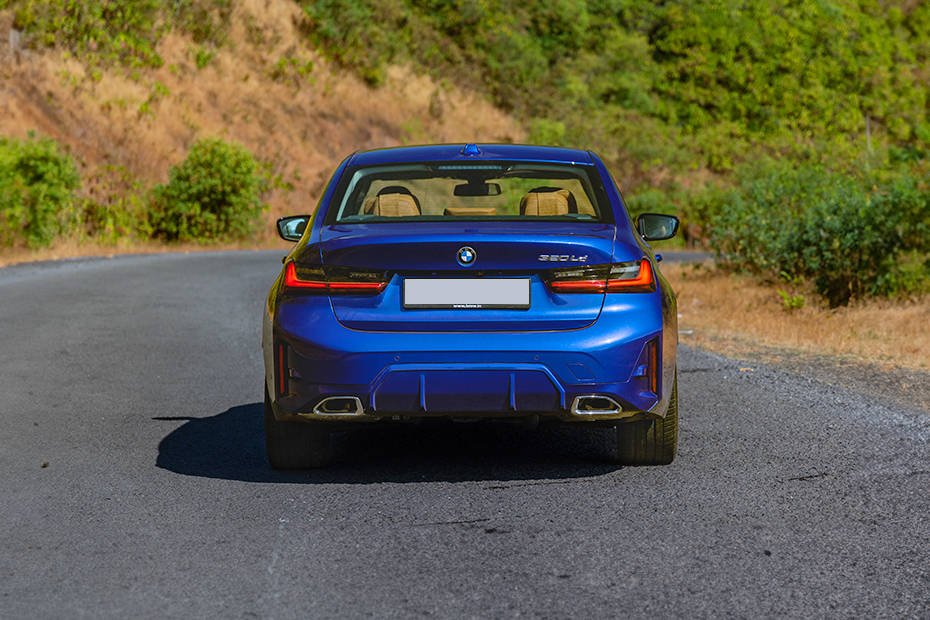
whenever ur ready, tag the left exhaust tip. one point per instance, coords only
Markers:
(339, 405)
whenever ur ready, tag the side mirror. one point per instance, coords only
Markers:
(292, 228)
(656, 227)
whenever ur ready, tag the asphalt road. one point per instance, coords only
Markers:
(138, 381)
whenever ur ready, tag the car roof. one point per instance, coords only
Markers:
(471, 152)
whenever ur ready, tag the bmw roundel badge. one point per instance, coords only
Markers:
(466, 256)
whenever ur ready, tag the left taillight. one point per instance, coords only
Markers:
(333, 281)
(628, 277)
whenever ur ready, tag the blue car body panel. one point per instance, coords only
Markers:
(431, 248)
(502, 362)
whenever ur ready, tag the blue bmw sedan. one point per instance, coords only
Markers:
(475, 281)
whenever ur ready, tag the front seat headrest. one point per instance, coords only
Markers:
(392, 205)
(548, 201)
(399, 189)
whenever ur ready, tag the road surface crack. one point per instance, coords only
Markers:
(532, 484)
(822, 474)
(463, 522)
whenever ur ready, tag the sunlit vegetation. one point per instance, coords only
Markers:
(37, 191)
(792, 137)
(215, 193)
(677, 85)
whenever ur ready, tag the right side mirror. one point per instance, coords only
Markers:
(656, 226)
(292, 228)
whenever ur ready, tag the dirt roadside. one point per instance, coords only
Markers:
(877, 347)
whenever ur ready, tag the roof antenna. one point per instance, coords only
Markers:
(470, 150)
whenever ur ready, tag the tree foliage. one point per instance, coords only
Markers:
(696, 83)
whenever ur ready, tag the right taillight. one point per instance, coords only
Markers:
(629, 277)
(333, 280)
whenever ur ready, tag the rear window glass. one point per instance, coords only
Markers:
(480, 191)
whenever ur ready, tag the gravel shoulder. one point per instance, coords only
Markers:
(905, 387)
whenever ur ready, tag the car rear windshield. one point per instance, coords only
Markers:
(464, 191)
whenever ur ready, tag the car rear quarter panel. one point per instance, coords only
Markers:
(628, 238)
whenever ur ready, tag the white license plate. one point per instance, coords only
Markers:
(467, 293)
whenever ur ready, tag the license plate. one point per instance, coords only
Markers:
(467, 293)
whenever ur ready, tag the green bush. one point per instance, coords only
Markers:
(207, 21)
(215, 193)
(37, 191)
(114, 207)
(693, 207)
(123, 32)
(849, 238)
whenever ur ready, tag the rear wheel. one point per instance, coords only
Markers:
(295, 445)
(650, 442)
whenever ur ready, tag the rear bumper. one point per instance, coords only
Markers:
(460, 374)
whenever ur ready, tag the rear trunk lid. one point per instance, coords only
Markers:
(523, 251)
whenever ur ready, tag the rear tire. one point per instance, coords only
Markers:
(295, 445)
(650, 442)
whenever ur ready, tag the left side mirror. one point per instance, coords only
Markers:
(292, 228)
(656, 226)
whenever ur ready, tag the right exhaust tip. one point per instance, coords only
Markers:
(595, 404)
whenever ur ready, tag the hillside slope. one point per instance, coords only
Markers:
(264, 87)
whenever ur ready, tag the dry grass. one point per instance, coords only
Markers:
(735, 315)
(302, 124)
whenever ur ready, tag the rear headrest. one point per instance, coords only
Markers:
(465, 211)
(548, 201)
(392, 205)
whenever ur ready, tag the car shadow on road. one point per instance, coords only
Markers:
(231, 446)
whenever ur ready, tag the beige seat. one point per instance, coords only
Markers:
(548, 202)
(391, 205)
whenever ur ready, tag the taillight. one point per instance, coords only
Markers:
(630, 277)
(333, 281)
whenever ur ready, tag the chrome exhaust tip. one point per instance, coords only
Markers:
(339, 405)
(595, 404)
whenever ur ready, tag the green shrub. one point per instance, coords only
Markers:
(123, 32)
(693, 207)
(37, 191)
(290, 69)
(848, 237)
(651, 200)
(114, 208)
(215, 193)
(546, 132)
(207, 21)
